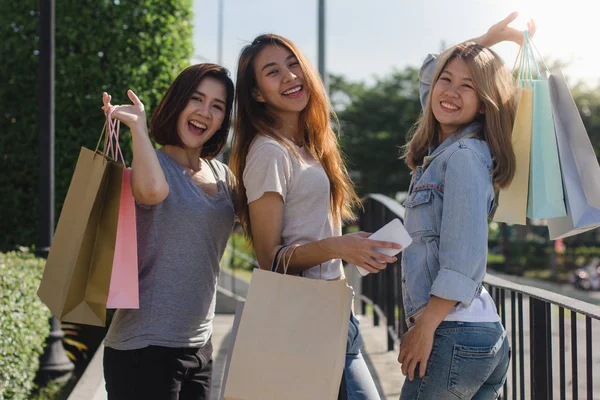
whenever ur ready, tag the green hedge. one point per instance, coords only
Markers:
(101, 45)
(23, 323)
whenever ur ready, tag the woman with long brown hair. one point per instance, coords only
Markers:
(185, 215)
(294, 189)
(460, 152)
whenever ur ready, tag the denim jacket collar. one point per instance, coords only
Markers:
(473, 127)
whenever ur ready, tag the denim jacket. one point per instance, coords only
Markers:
(449, 200)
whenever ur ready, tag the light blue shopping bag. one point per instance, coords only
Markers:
(546, 197)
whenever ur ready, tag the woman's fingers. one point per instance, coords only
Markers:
(134, 99)
(510, 18)
(411, 368)
(531, 27)
(106, 99)
(402, 354)
(382, 258)
(106, 107)
(422, 368)
(385, 245)
(372, 266)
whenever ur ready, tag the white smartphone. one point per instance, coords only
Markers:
(393, 231)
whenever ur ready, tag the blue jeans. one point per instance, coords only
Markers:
(358, 380)
(469, 360)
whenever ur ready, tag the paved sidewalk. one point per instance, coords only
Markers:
(383, 364)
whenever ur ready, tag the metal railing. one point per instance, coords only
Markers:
(549, 353)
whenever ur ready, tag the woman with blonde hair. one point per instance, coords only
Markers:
(461, 151)
(294, 189)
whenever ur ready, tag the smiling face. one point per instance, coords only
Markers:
(454, 100)
(204, 113)
(280, 80)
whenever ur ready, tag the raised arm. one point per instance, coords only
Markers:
(501, 32)
(497, 33)
(148, 180)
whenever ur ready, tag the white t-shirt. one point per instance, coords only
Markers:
(305, 189)
(481, 309)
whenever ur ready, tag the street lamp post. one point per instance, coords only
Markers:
(54, 363)
(321, 44)
(220, 34)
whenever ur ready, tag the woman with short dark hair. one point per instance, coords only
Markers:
(185, 215)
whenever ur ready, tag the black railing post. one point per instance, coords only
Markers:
(365, 281)
(390, 292)
(232, 263)
(390, 305)
(370, 224)
(540, 360)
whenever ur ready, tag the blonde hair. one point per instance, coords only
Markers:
(497, 91)
(252, 117)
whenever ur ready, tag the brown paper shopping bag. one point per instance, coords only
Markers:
(291, 342)
(76, 277)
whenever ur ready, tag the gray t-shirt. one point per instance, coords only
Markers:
(180, 244)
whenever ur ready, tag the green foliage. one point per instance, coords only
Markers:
(23, 323)
(375, 121)
(101, 46)
(53, 390)
(239, 244)
(588, 102)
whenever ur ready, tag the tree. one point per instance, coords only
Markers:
(101, 45)
(588, 102)
(374, 123)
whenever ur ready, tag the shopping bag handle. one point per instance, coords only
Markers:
(531, 47)
(275, 263)
(530, 57)
(110, 134)
(286, 263)
(114, 148)
(277, 259)
(104, 136)
(522, 61)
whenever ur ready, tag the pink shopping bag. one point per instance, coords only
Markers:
(124, 286)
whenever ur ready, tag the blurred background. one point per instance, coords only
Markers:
(370, 55)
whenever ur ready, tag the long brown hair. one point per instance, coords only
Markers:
(253, 118)
(163, 124)
(496, 89)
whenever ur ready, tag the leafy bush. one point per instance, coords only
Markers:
(23, 323)
(101, 45)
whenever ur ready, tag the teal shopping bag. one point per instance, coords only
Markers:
(546, 197)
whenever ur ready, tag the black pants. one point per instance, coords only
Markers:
(158, 373)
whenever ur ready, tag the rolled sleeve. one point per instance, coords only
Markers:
(267, 170)
(426, 77)
(464, 228)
